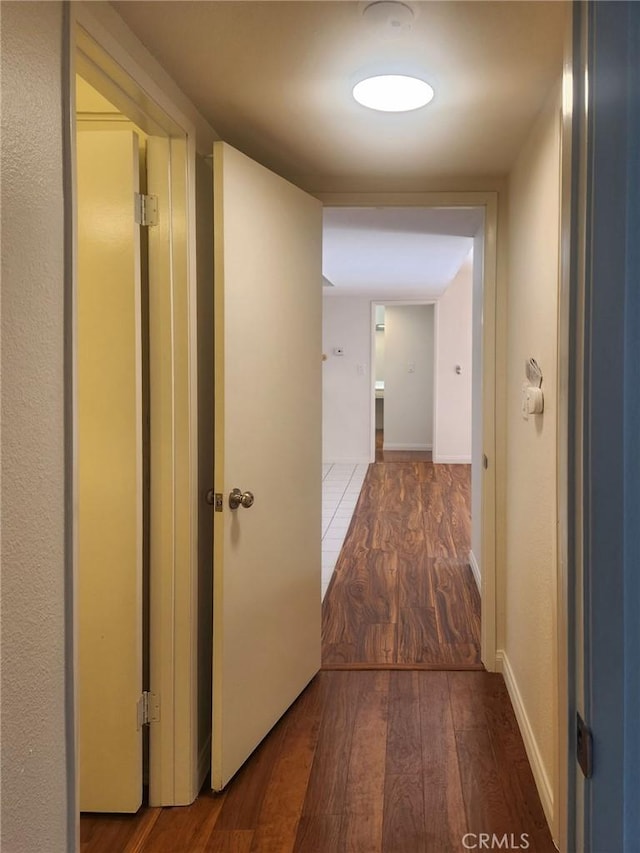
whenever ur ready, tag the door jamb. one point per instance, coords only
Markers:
(488, 201)
(173, 740)
(570, 438)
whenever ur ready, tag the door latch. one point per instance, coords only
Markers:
(214, 499)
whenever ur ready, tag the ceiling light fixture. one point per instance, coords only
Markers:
(389, 19)
(393, 93)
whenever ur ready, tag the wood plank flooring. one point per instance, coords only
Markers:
(389, 756)
(394, 762)
(399, 455)
(402, 593)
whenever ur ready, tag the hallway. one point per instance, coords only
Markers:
(397, 762)
(402, 594)
(398, 759)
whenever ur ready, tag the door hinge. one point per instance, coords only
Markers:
(146, 209)
(485, 461)
(148, 709)
(584, 747)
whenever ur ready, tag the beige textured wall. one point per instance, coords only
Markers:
(530, 576)
(36, 805)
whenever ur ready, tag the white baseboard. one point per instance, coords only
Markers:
(475, 569)
(348, 460)
(204, 762)
(387, 446)
(540, 775)
(451, 460)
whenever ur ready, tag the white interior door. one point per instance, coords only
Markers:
(268, 338)
(109, 471)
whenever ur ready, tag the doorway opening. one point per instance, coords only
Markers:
(404, 372)
(460, 432)
(112, 406)
(134, 468)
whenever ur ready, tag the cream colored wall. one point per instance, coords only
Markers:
(37, 785)
(409, 375)
(530, 540)
(452, 424)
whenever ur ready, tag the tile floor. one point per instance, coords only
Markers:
(341, 484)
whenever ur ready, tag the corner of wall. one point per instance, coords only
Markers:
(540, 775)
(103, 21)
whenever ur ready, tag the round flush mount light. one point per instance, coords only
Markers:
(393, 93)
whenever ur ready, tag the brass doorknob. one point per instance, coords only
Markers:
(238, 498)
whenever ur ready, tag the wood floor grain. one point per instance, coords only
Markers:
(392, 762)
(127, 833)
(398, 455)
(393, 747)
(402, 591)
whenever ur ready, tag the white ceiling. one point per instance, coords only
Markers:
(395, 253)
(275, 78)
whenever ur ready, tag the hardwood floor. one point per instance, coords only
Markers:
(403, 761)
(402, 593)
(399, 455)
(395, 762)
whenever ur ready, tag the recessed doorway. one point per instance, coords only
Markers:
(133, 415)
(403, 371)
(462, 431)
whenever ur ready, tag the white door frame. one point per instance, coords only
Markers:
(495, 460)
(101, 57)
(372, 395)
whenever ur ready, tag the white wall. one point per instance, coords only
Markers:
(379, 366)
(452, 438)
(408, 381)
(530, 581)
(477, 467)
(37, 800)
(346, 392)
(379, 355)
